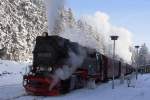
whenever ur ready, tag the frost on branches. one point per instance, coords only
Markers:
(20, 22)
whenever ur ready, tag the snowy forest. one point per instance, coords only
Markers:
(23, 20)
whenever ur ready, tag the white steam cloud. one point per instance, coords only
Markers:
(53, 10)
(100, 21)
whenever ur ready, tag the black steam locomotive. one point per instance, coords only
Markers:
(49, 75)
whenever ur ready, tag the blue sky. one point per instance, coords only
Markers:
(131, 14)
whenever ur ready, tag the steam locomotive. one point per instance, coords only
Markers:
(60, 66)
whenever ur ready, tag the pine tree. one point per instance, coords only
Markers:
(21, 22)
(143, 55)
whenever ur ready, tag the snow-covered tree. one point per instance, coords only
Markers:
(143, 54)
(88, 29)
(20, 22)
(64, 21)
(140, 57)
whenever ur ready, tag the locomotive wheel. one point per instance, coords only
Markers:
(65, 86)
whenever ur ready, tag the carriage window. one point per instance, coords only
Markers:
(91, 69)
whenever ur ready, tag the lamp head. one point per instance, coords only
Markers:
(137, 46)
(114, 37)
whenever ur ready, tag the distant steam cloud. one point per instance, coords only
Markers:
(100, 21)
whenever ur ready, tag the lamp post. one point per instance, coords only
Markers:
(137, 47)
(144, 63)
(114, 38)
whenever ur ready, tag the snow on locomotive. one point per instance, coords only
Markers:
(60, 66)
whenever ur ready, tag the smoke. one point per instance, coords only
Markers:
(103, 30)
(100, 22)
(74, 61)
(53, 8)
(79, 36)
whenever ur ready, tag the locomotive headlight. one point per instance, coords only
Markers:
(24, 82)
(50, 69)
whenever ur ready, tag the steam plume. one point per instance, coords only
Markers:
(100, 22)
(53, 8)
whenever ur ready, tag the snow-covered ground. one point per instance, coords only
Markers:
(11, 87)
(11, 72)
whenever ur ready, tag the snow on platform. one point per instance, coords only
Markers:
(11, 72)
(13, 90)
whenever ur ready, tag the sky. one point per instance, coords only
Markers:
(131, 14)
